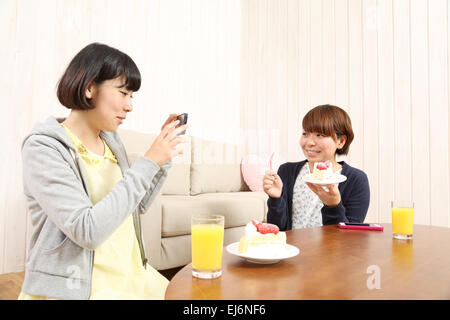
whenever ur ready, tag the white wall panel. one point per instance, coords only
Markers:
(383, 61)
(356, 81)
(370, 104)
(386, 136)
(438, 97)
(420, 111)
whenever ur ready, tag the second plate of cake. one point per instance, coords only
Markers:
(274, 257)
(323, 174)
(262, 243)
(335, 178)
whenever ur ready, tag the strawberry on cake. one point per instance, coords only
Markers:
(322, 170)
(262, 238)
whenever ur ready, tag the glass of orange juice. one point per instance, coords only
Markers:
(207, 246)
(402, 219)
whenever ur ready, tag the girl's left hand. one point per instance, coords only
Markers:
(330, 198)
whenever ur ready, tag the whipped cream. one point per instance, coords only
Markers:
(250, 229)
(264, 250)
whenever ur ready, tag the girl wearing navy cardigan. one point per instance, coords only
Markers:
(294, 203)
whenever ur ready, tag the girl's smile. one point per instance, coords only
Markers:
(311, 153)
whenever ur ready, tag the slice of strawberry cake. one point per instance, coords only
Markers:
(262, 238)
(322, 170)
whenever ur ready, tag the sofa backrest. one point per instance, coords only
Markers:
(178, 180)
(205, 166)
(216, 167)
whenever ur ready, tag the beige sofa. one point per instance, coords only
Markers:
(206, 179)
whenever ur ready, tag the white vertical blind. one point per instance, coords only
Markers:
(383, 61)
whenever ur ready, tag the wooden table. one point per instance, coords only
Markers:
(334, 264)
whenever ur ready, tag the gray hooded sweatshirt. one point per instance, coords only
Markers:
(67, 227)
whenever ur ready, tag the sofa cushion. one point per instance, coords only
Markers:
(178, 178)
(238, 208)
(216, 167)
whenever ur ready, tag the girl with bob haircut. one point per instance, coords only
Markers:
(294, 203)
(84, 198)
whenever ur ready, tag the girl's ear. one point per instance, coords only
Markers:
(90, 90)
(341, 142)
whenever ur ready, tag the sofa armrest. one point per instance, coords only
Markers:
(151, 229)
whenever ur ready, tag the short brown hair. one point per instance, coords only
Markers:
(95, 63)
(330, 121)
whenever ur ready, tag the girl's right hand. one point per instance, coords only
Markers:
(272, 184)
(163, 148)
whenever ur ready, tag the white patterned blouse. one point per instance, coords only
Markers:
(306, 205)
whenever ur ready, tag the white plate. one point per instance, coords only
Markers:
(336, 178)
(291, 251)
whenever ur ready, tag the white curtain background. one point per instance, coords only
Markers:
(247, 71)
(188, 52)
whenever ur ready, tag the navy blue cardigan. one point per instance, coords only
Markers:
(355, 197)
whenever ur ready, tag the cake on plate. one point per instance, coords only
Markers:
(262, 238)
(322, 170)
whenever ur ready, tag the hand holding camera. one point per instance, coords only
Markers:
(163, 148)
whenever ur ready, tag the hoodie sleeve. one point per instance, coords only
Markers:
(158, 181)
(51, 181)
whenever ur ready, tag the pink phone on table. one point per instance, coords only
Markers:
(360, 226)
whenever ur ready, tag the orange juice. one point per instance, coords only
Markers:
(402, 220)
(207, 245)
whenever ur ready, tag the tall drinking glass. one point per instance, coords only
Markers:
(402, 219)
(207, 246)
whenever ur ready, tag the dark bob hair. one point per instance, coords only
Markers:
(331, 121)
(95, 63)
